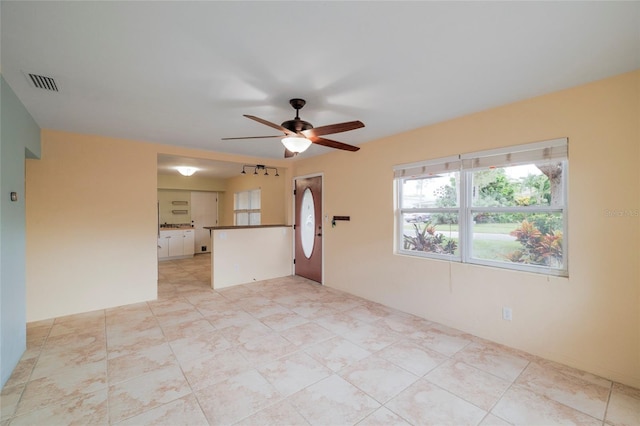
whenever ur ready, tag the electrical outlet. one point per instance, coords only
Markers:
(506, 313)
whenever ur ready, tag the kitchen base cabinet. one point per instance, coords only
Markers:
(163, 248)
(176, 244)
(189, 241)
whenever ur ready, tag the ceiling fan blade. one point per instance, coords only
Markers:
(333, 128)
(270, 124)
(333, 144)
(289, 154)
(251, 137)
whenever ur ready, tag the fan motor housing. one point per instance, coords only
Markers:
(297, 125)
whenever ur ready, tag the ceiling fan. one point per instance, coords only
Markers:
(300, 134)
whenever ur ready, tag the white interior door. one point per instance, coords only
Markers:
(204, 212)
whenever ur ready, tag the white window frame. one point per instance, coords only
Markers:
(467, 164)
(250, 208)
(417, 170)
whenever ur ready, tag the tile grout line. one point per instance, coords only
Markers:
(562, 373)
(106, 360)
(24, 388)
(193, 392)
(553, 400)
(606, 408)
(130, 378)
(490, 411)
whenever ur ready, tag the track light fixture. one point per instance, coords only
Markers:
(257, 167)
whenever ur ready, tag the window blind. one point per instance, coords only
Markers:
(427, 168)
(556, 149)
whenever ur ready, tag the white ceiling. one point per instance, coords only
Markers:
(183, 73)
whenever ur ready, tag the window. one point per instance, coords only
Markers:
(246, 208)
(429, 197)
(504, 208)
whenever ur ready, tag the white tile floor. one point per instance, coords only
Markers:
(287, 352)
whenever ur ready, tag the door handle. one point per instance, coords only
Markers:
(319, 235)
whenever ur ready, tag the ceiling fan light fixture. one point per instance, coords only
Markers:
(296, 144)
(186, 171)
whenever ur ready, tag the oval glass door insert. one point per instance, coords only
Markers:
(308, 217)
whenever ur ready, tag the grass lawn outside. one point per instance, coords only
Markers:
(488, 249)
(481, 228)
(484, 228)
(494, 250)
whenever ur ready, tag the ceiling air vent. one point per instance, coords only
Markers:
(42, 82)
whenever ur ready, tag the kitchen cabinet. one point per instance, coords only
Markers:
(189, 241)
(163, 248)
(175, 244)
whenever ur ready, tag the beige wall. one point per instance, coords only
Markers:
(91, 227)
(166, 197)
(91, 221)
(274, 193)
(590, 320)
(191, 183)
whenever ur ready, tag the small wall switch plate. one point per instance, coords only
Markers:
(14, 196)
(506, 313)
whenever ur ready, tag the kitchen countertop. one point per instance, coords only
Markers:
(246, 227)
(177, 228)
